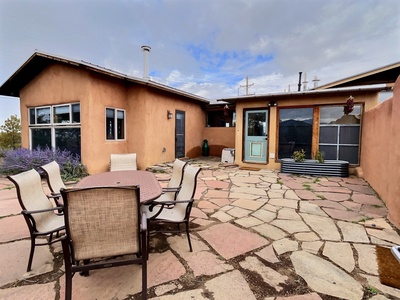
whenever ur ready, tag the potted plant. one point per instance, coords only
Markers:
(298, 164)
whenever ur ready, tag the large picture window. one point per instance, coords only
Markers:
(56, 126)
(339, 134)
(295, 131)
(115, 124)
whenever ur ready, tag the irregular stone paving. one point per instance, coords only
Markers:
(255, 235)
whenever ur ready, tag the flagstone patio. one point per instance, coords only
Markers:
(255, 235)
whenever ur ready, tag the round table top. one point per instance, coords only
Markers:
(150, 188)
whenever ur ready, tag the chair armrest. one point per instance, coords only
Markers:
(171, 189)
(144, 222)
(166, 203)
(155, 202)
(55, 197)
(31, 212)
(163, 179)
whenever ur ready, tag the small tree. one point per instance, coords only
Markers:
(10, 137)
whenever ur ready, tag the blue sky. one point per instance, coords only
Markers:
(206, 47)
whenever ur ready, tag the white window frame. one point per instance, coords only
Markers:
(116, 110)
(52, 126)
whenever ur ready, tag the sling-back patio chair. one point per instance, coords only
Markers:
(104, 227)
(174, 183)
(54, 181)
(396, 252)
(160, 212)
(123, 162)
(38, 211)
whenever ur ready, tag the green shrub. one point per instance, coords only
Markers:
(319, 156)
(299, 156)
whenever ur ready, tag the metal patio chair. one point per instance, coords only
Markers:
(54, 181)
(123, 162)
(38, 211)
(160, 212)
(174, 183)
(104, 227)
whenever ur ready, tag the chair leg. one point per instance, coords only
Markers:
(145, 257)
(31, 254)
(188, 236)
(68, 285)
(68, 267)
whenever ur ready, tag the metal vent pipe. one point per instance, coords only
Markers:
(146, 51)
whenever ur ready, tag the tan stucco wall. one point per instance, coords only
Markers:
(55, 85)
(219, 138)
(148, 130)
(368, 99)
(381, 152)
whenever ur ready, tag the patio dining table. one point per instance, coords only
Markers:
(150, 188)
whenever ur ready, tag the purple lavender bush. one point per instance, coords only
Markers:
(20, 160)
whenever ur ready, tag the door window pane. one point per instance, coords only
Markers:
(329, 151)
(346, 128)
(41, 137)
(295, 131)
(179, 134)
(256, 125)
(335, 115)
(328, 134)
(61, 114)
(349, 153)
(349, 134)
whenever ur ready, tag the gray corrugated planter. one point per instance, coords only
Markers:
(313, 167)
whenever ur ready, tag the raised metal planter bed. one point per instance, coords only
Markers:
(338, 168)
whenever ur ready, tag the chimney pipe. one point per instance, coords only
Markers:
(315, 80)
(299, 89)
(146, 51)
(305, 82)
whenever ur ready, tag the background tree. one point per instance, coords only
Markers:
(10, 133)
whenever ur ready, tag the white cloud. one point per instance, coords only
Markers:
(269, 41)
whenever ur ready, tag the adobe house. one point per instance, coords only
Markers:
(328, 119)
(365, 133)
(94, 112)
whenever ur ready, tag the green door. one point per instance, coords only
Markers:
(256, 136)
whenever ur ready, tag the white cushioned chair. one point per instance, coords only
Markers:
(123, 162)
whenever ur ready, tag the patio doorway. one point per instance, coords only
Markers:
(179, 134)
(256, 136)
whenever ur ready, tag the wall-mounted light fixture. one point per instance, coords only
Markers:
(272, 103)
(169, 114)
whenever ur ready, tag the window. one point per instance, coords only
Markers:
(218, 116)
(40, 115)
(56, 126)
(115, 124)
(295, 131)
(61, 114)
(339, 133)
